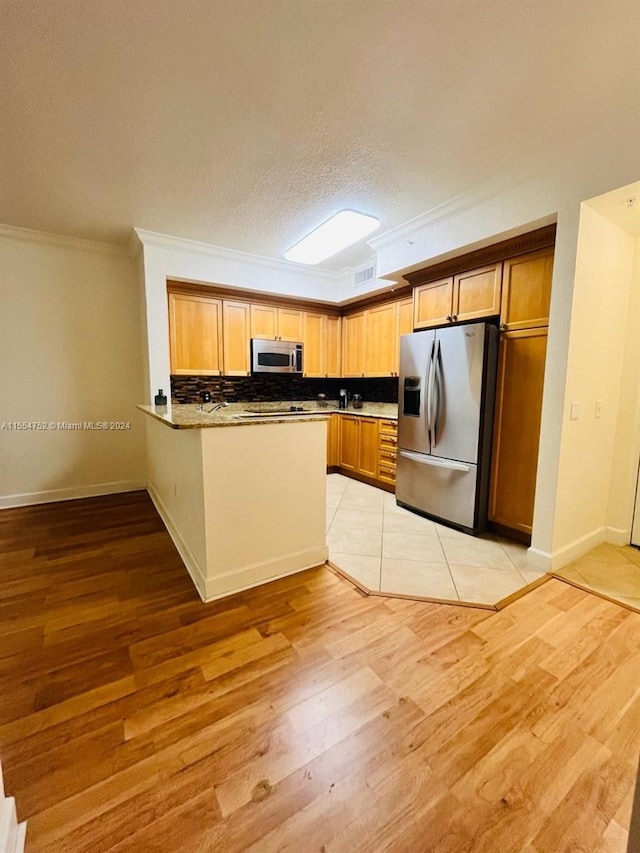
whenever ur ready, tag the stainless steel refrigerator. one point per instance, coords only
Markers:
(445, 418)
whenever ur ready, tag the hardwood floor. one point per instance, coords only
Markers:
(301, 715)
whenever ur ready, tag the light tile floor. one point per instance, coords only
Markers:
(608, 570)
(385, 548)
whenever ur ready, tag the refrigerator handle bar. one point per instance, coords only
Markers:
(437, 382)
(429, 380)
(427, 385)
(437, 463)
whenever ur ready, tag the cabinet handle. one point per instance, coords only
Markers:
(455, 317)
(449, 317)
(503, 327)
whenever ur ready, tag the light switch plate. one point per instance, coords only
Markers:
(575, 411)
(598, 411)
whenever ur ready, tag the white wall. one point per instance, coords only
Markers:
(70, 351)
(596, 358)
(626, 452)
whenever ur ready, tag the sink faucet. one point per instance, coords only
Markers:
(221, 405)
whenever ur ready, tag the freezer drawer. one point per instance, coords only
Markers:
(441, 488)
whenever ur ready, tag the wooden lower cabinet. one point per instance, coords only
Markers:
(367, 449)
(359, 445)
(387, 450)
(516, 431)
(333, 441)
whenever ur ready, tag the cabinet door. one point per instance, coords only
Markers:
(382, 340)
(477, 293)
(368, 448)
(349, 442)
(313, 340)
(353, 338)
(332, 345)
(333, 440)
(405, 327)
(195, 335)
(290, 324)
(516, 435)
(264, 321)
(433, 303)
(236, 334)
(526, 290)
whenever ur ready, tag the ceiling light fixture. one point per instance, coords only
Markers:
(343, 229)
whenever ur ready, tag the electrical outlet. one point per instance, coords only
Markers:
(574, 414)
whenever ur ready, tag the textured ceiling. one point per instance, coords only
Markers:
(244, 123)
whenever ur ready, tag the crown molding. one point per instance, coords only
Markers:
(454, 206)
(61, 241)
(179, 244)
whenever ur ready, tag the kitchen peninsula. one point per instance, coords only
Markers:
(243, 498)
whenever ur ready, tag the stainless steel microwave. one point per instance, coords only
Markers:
(269, 356)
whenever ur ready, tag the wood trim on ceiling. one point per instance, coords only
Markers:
(241, 294)
(542, 238)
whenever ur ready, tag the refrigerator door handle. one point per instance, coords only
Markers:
(435, 397)
(436, 463)
(428, 385)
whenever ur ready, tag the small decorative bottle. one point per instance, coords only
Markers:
(160, 399)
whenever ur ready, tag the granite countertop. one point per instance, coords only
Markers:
(192, 416)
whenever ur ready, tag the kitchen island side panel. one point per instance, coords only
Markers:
(264, 495)
(175, 485)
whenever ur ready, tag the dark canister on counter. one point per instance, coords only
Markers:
(357, 401)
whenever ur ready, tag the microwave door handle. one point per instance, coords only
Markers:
(292, 358)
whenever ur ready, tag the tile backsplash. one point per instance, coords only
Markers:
(267, 388)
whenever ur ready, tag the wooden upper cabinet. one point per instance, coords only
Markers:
(321, 338)
(476, 293)
(516, 430)
(264, 321)
(332, 345)
(405, 327)
(382, 340)
(405, 316)
(354, 333)
(313, 338)
(195, 335)
(270, 321)
(236, 321)
(290, 324)
(526, 290)
(433, 303)
(466, 296)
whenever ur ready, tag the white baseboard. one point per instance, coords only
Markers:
(70, 493)
(617, 536)
(246, 578)
(197, 572)
(549, 562)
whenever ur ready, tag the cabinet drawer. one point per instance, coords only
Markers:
(390, 427)
(387, 475)
(387, 442)
(388, 458)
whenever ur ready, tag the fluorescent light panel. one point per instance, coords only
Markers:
(343, 229)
